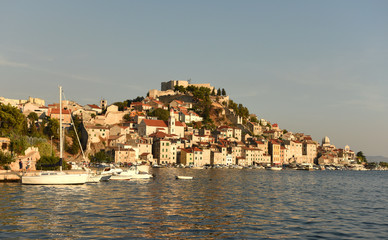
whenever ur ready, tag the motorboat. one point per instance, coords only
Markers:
(112, 170)
(305, 166)
(95, 178)
(275, 168)
(134, 172)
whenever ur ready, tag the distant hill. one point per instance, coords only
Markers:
(377, 159)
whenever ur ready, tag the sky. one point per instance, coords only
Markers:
(316, 67)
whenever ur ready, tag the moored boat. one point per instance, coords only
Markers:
(95, 178)
(55, 177)
(275, 168)
(184, 177)
(135, 172)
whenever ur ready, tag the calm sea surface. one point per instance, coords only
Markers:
(218, 203)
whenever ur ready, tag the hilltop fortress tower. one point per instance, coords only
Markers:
(167, 88)
(170, 85)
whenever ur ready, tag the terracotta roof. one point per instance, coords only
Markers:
(155, 123)
(56, 111)
(223, 127)
(187, 150)
(197, 149)
(160, 123)
(161, 135)
(94, 106)
(158, 102)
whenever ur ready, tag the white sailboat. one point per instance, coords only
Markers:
(55, 177)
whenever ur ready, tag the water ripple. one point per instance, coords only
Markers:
(224, 203)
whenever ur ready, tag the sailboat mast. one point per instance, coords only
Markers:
(60, 129)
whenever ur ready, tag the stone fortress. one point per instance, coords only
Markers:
(167, 88)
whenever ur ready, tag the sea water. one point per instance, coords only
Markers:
(217, 203)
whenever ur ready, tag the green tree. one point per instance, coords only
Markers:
(101, 157)
(253, 119)
(361, 158)
(160, 114)
(44, 148)
(181, 89)
(6, 159)
(74, 148)
(121, 105)
(33, 117)
(127, 117)
(52, 128)
(383, 164)
(19, 144)
(12, 121)
(223, 92)
(219, 92)
(73, 132)
(128, 102)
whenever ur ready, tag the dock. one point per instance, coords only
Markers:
(10, 176)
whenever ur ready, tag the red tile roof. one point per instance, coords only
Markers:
(56, 111)
(197, 149)
(94, 106)
(161, 135)
(160, 123)
(155, 123)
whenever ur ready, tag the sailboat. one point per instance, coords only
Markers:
(55, 177)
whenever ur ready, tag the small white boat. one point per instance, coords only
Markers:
(95, 178)
(184, 177)
(133, 173)
(120, 176)
(111, 171)
(275, 168)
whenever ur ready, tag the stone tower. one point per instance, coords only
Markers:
(171, 122)
(103, 104)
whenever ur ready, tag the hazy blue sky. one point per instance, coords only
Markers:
(317, 67)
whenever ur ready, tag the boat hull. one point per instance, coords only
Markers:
(53, 178)
(184, 177)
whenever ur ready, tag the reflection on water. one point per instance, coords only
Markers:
(221, 203)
